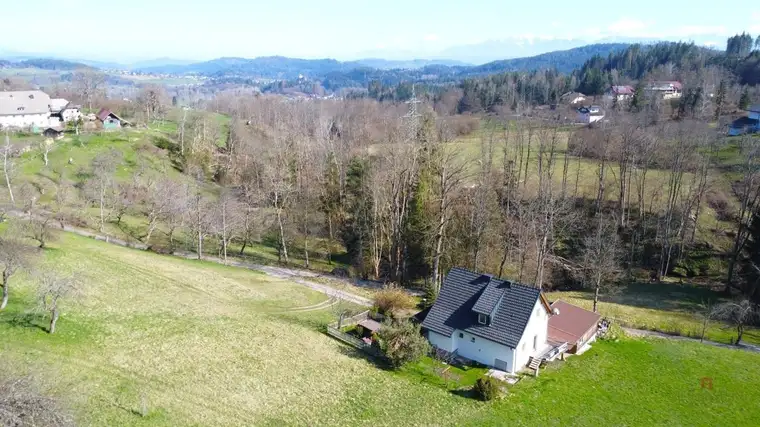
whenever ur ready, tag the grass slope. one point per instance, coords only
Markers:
(204, 344)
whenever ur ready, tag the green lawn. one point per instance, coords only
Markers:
(665, 307)
(204, 344)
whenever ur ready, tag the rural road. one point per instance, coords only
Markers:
(292, 274)
(644, 333)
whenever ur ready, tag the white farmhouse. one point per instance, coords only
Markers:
(24, 109)
(491, 321)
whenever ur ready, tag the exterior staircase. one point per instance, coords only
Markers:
(534, 363)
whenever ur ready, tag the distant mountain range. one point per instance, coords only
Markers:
(360, 72)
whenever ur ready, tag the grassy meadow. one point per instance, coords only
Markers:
(196, 343)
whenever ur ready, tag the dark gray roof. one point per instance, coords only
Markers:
(465, 293)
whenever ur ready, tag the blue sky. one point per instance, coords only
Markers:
(192, 29)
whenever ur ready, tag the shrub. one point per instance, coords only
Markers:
(391, 300)
(402, 343)
(486, 388)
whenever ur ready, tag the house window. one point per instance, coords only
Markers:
(461, 335)
(535, 342)
(472, 339)
(523, 346)
(483, 319)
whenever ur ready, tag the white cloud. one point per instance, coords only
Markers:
(431, 37)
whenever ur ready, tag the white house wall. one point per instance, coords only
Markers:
(24, 120)
(441, 341)
(482, 350)
(538, 326)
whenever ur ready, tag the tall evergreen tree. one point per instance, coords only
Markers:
(744, 100)
(357, 223)
(720, 99)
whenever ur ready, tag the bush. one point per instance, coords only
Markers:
(486, 388)
(402, 343)
(391, 300)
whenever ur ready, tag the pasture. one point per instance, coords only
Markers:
(202, 344)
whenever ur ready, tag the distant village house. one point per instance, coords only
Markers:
(667, 89)
(590, 114)
(621, 93)
(572, 98)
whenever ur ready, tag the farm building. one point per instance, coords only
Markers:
(491, 321)
(66, 111)
(110, 120)
(572, 325)
(24, 109)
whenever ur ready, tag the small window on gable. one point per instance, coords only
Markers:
(472, 339)
(483, 319)
(461, 335)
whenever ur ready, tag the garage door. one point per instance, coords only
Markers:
(501, 365)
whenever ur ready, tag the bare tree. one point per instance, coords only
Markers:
(226, 221)
(89, 83)
(14, 256)
(158, 199)
(450, 169)
(40, 229)
(740, 313)
(45, 146)
(101, 187)
(8, 153)
(601, 258)
(53, 292)
(153, 101)
(747, 190)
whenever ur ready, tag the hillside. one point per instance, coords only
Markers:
(128, 352)
(44, 64)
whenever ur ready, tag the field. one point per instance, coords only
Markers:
(202, 344)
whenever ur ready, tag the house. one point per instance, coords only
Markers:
(572, 98)
(572, 325)
(67, 111)
(667, 89)
(590, 114)
(24, 109)
(748, 124)
(621, 93)
(491, 321)
(110, 120)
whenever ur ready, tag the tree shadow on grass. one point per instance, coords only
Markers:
(25, 320)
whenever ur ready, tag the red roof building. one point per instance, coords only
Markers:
(573, 325)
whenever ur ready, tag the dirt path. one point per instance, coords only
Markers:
(291, 274)
(644, 333)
